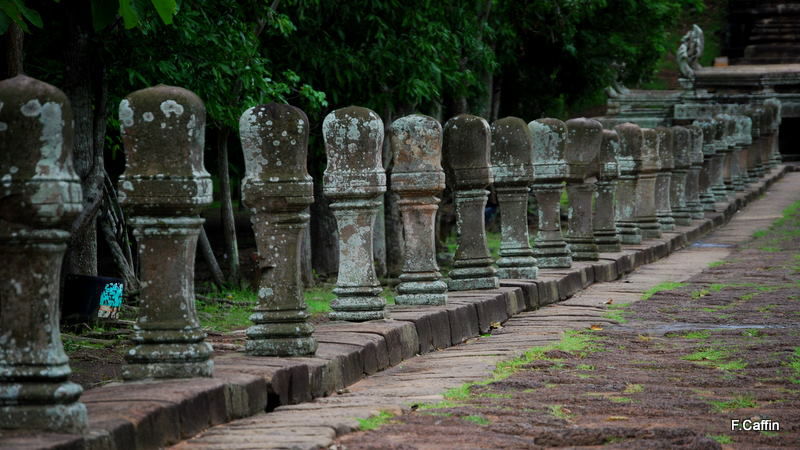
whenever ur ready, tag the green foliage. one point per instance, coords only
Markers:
(794, 365)
(477, 419)
(721, 438)
(374, 422)
(230, 316)
(700, 334)
(559, 412)
(739, 402)
(665, 286)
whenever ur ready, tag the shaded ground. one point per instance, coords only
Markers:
(674, 373)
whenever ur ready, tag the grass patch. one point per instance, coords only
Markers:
(699, 334)
(617, 313)
(740, 402)
(477, 419)
(794, 365)
(444, 404)
(633, 389)
(769, 249)
(617, 399)
(559, 412)
(493, 395)
(374, 422)
(232, 313)
(585, 367)
(717, 264)
(660, 287)
(753, 333)
(708, 354)
(721, 438)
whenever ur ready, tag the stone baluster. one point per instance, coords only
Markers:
(743, 142)
(584, 137)
(605, 229)
(711, 164)
(726, 144)
(693, 185)
(354, 180)
(277, 189)
(717, 173)
(666, 163)
(512, 168)
(466, 145)
(645, 210)
(775, 109)
(753, 153)
(629, 162)
(417, 178)
(549, 141)
(163, 189)
(765, 141)
(41, 195)
(681, 147)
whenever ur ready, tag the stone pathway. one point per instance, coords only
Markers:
(425, 378)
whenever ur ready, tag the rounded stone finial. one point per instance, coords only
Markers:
(696, 144)
(549, 148)
(416, 142)
(630, 147)
(353, 140)
(38, 184)
(274, 141)
(467, 140)
(163, 132)
(607, 157)
(650, 150)
(584, 137)
(512, 152)
(681, 147)
(709, 129)
(666, 148)
(755, 113)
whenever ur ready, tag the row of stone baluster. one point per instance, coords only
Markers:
(624, 184)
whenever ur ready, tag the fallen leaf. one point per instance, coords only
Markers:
(613, 418)
(495, 325)
(595, 327)
(609, 301)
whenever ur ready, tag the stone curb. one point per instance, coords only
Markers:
(153, 414)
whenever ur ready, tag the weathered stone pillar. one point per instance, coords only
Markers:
(664, 178)
(774, 108)
(41, 195)
(512, 168)
(711, 163)
(355, 180)
(163, 189)
(765, 146)
(277, 189)
(605, 228)
(549, 140)
(418, 179)
(693, 185)
(466, 145)
(726, 143)
(584, 137)
(743, 142)
(629, 162)
(753, 152)
(681, 146)
(645, 210)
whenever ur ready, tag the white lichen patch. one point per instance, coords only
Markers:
(32, 108)
(148, 116)
(3, 126)
(125, 113)
(169, 107)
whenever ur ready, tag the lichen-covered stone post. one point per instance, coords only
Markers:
(629, 161)
(646, 217)
(711, 163)
(584, 137)
(605, 228)
(754, 152)
(774, 108)
(666, 163)
(743, 142)
(163, 189)
(726, 143)
(681, 146)
(467, 140)
(39, 197)
(693, 203)
(418, 178)
(766, 140)
(277, 189)
(512, 168)
(549, 146)
(354, 180)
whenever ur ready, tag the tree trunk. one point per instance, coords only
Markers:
(83, 84)
(14, 54)
(226, 207)
(497, 90)
(211, 260)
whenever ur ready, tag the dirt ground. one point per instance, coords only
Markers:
(681, 366)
